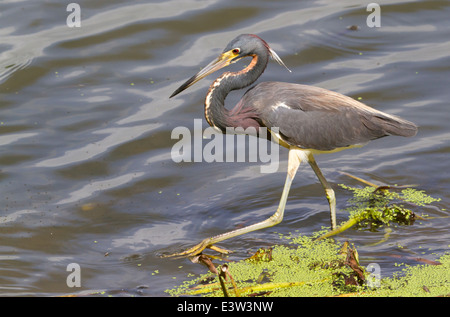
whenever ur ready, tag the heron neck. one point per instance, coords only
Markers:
(215, 112)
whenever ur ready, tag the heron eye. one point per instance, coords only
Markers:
(236, 51)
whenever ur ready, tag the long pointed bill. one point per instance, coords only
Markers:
(222, 61)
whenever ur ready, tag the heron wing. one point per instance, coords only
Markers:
(315, 118)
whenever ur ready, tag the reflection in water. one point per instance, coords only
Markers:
(115, 136)
(90, 189)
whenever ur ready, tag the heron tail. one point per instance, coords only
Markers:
(394, 125)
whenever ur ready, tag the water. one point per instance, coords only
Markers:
(85, 134)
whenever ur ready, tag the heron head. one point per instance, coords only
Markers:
(242, 46)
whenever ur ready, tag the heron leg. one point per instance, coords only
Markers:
(295, 157)
(329, 192)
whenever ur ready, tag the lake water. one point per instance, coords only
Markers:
(86, 170)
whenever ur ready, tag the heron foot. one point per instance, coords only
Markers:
(198, 249)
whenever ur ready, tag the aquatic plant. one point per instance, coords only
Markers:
(321, 266)
(305, 267)
(375, 206)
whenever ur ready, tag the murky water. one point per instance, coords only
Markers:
(85, 134)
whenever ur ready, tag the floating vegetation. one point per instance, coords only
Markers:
(321, 266)
(372, 207)
(305, 267)
(300, 268)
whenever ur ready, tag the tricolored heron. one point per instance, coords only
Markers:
(308, 119)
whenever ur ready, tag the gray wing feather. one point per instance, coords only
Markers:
(315, 118)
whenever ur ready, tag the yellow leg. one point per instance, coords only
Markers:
(329, 192)
(295, 157)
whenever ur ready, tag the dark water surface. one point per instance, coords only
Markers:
(85, 134)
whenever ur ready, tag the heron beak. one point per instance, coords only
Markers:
(222, 61)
